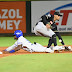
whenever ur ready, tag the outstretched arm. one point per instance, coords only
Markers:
(13, 50)
(48, 25)
(16, 49)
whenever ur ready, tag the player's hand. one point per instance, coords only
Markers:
(51, 22)
(48, 26)
(5, 52)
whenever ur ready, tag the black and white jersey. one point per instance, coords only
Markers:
(47, 18)
(54, 26)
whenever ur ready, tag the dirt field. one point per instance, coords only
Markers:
(25, 52)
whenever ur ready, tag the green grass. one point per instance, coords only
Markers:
(8, 41)
(37, 63)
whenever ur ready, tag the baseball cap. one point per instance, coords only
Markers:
(57, 13)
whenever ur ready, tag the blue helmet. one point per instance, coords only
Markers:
(18, 33)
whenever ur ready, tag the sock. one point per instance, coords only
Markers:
(54, 40)
(59, 36)
(62, 43)
(50, 43)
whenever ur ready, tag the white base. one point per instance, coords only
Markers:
(1, 52)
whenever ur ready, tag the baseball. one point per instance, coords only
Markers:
(60, 40)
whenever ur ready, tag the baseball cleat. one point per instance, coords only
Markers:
(49, 50)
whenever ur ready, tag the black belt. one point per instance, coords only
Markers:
(36, 24)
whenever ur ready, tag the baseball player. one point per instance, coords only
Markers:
(43, 28)
(54, 28)
(23, 43)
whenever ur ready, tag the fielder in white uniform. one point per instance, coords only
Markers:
(23, 43)
(43, 28)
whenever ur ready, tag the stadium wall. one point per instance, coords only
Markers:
(25, 14)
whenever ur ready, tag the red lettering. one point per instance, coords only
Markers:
(65, 16)
(52, 12)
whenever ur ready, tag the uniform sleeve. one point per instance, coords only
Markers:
(54, 27)
(47, 18)
(44, 19)
(51, 18)
(12, 47)
(19, 42)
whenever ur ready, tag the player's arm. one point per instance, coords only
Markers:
(10, 48)
(16, 49)
(13, 50)
(19, 46)
(44, 19)
(54, 27)
(48, 25)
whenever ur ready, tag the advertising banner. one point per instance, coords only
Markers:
(12, 17)
(39, 8)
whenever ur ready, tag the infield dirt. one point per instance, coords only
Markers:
(26, 52)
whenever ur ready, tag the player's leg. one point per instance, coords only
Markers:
(53, 38)
(60, 38)
(49, 42)
(40, 29)
(55, 43)
(36, 47)
(48, 33)
(43, 31)
(62, 42)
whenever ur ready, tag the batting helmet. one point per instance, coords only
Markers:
(18, 33)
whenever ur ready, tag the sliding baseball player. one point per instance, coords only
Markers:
(23, 43)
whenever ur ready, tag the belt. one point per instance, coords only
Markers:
(36, 24)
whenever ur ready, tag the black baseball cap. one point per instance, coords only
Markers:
(57, 13)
